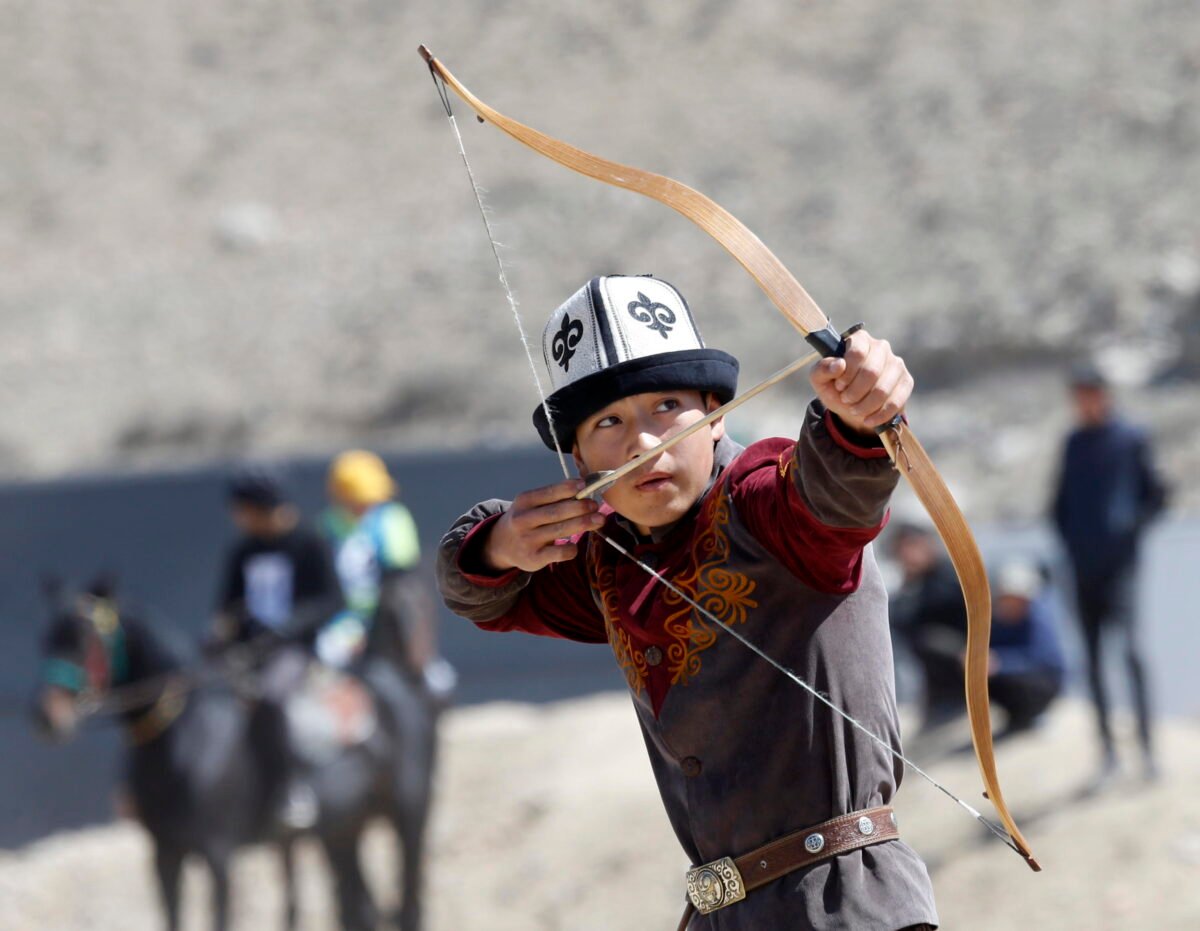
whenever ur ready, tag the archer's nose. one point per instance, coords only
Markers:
(644, 438)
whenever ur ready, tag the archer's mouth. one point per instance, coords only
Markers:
(653, 482)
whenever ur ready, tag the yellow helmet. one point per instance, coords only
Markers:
(359, 477)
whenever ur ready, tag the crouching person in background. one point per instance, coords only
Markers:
(1027, 667)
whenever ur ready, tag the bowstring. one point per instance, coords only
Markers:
(444, 95)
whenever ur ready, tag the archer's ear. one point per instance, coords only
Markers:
(711, 403)
(580, 465)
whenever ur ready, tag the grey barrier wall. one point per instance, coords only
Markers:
(164, 535)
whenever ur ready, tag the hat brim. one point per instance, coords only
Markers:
(701, 369)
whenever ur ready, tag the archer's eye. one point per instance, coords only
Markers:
(666, 405)
(610, 421)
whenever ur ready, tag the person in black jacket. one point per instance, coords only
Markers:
(279, 587)
(1108, 493)
(279, 578)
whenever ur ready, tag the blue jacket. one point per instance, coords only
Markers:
(1030, 645)
(1108, 490)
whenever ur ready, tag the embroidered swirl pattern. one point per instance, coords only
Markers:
(631, 661)
(710, 583)
(713, 586)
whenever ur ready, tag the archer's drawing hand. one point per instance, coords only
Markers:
(524, 537)
(867, 387)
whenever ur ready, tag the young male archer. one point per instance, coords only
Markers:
(782, 805)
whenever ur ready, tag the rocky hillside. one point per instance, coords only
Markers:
(236, 227)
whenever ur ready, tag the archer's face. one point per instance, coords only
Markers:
(664, 489)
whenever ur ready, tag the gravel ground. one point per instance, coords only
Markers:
(547, 819)
(242, 227)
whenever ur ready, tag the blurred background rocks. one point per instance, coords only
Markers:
(236, 228)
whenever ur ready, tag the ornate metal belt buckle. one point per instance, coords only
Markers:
(715, 885)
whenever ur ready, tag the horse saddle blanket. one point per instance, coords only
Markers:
(329, 713)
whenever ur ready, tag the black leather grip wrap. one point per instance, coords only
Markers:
(828, 342)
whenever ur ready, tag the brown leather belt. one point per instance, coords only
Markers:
(723, 882)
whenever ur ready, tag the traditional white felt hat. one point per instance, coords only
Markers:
(618, 336)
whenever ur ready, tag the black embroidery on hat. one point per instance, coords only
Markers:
(658, 317)
(565, 341)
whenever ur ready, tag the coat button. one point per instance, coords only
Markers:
(690, 766)
(653, 656)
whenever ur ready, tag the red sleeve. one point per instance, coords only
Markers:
(556, 602)
(765, 489)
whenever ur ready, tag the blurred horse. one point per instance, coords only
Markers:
(193, 778)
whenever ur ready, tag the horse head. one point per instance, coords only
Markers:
(83, 655)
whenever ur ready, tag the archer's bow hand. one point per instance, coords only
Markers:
(867, 387)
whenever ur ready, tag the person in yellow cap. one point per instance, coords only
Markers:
(376, 555)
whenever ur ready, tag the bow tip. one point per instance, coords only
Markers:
(425, 53)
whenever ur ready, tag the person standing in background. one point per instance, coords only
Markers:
(1108, 493)
(377, 555)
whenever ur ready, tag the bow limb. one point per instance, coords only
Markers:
(927, 483)
(781, 286)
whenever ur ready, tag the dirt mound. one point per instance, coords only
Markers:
(548, 818)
